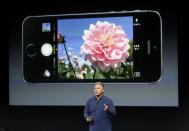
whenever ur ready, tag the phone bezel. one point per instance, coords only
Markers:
(87, 15)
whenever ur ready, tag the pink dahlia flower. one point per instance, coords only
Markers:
(105, 45)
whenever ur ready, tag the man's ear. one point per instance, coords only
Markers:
(103, 90)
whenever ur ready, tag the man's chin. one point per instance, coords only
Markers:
(98, 95)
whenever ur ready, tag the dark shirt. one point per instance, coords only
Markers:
(101, 120)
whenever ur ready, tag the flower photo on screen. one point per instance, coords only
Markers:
(95, 48)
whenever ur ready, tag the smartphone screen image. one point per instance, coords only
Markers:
(52, 48)
(95, 49)
(120, 47)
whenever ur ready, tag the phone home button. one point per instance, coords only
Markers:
(31, 50)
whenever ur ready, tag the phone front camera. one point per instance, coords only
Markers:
(46, 49)
(154, 47)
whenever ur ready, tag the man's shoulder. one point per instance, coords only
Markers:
(107, 98)
(91, 99)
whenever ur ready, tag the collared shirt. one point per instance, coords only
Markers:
(101, 120)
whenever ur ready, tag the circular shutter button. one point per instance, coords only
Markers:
(46, 49)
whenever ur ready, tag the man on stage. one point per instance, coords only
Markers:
(99, 110)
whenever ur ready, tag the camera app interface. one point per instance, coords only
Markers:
(111, 49)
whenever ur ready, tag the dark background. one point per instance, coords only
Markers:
(71, 118)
